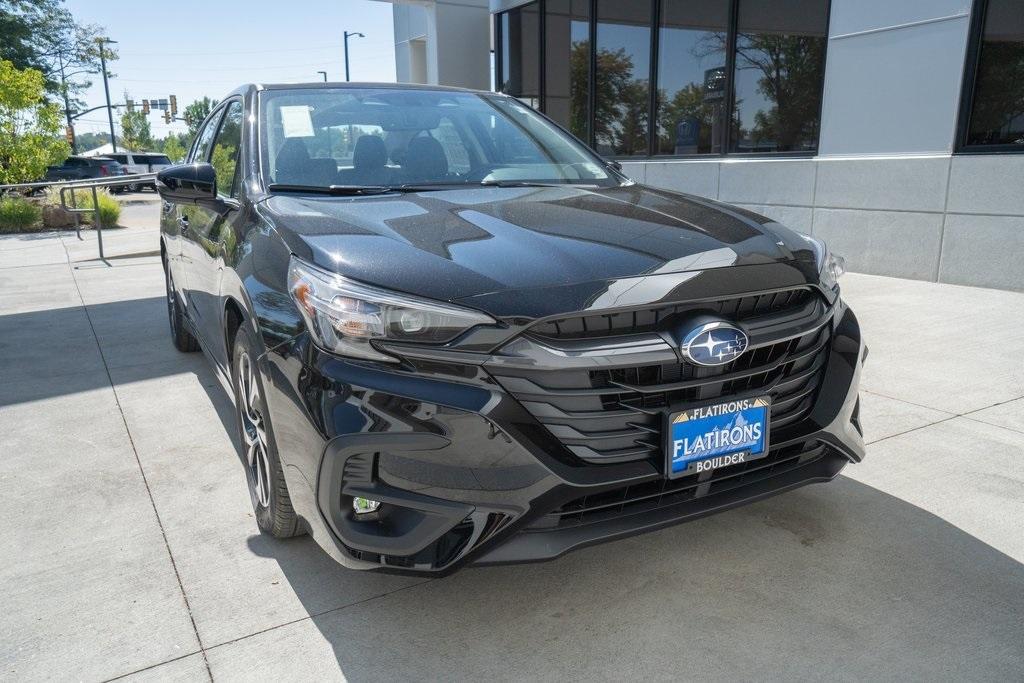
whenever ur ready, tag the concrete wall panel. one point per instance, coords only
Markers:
(987, 184)
(699, 178)
(906, 183)
(898, 243)
(986, 251)
(783, 181)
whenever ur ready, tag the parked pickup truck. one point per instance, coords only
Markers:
(84, 168)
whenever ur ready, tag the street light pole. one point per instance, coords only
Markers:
(106, 90)
(324, 74)
(347, 36)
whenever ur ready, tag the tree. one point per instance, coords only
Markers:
(135, 131)
(196, 112)
(30, 127)
(791, 72)
(43, 35)
(174, 149)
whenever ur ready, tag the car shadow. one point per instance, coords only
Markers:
(831, 581)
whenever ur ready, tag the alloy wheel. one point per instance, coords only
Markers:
(254, 434)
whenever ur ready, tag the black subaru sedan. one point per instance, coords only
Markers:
(455, 335)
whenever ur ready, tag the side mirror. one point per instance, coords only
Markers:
(614, 165)
(190, 183)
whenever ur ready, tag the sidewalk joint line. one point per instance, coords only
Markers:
(949, 416)
(142, 471)
(309, 617)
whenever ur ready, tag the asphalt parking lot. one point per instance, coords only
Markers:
(131, 550)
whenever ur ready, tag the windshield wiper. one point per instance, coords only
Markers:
(530, 183)
(356, 190)
(337, 190)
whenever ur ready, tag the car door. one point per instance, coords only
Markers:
(177, 223)
(209, 228)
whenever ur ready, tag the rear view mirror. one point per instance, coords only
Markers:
(187, 183)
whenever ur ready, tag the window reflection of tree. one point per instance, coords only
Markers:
(790, 71)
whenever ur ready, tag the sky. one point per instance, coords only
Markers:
(194, 48)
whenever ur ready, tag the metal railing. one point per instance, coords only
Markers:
(69, 196)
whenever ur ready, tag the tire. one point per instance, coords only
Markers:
(180, 335)
(263, 472)
(132, 188)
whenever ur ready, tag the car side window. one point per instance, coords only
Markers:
(225, 150)
(202, 150)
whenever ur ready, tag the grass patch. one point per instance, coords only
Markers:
(110, 208)
(19, 215)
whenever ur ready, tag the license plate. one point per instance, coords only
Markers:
(719, 435)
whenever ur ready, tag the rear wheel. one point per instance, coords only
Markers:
(267, 488)
(182, 338)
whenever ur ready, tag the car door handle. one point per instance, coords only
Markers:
(183, 223)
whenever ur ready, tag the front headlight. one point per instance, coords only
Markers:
(343, 316)
(830, 266)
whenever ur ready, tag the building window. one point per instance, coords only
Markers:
(730, 76)
(995, 95)
(779, 73)
(692, 100)
(622, 77)
(567, 64)
(520, 53)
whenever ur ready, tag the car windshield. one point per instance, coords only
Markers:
(388, 137)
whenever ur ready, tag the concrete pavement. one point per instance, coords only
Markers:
(131, 549)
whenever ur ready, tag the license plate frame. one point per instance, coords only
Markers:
(701, 420)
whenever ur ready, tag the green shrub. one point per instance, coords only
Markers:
(110, 208)
(19, 215)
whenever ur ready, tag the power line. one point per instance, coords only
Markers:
(336, 46)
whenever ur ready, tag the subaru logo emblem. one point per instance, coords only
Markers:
(714, 343)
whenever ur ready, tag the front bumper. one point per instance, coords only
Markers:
(467, 475)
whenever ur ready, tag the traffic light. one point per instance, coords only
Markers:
(130, 105)
(69, 135)
(145, 107)
(167, 116)
(174, 105)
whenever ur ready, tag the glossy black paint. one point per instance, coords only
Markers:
(435, 430)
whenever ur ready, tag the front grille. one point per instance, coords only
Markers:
(615, 415)
(666, 492)
(649, 319)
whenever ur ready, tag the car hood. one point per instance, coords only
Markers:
(459, 243)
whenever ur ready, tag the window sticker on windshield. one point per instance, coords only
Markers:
(296, 121)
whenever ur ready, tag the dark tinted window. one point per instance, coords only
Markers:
(120, 158)
(520, 63)
(997, 111)
(622, 106)
(780, 68)
(691, 77)
(154, 159)
(567, 63)
(225, 150)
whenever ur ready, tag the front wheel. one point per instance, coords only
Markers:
(267, 488)
(182, 338)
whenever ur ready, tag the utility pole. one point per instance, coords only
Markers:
(347, 36)
(324, 74)
(106, 90)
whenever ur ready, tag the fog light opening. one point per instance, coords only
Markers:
(365, 506)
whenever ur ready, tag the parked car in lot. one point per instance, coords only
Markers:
(455, 335)
(141, 162)
(84, 168)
